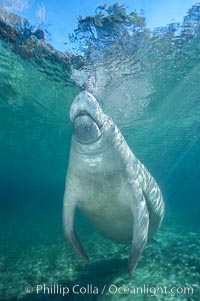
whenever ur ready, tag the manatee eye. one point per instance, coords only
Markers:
(86, 129)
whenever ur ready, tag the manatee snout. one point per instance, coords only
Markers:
(87, 118)
(86, 130)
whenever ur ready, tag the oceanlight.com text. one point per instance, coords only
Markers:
(112, 289)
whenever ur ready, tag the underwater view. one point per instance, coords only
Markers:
(99, 132)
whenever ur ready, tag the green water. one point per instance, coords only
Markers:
(35, 135)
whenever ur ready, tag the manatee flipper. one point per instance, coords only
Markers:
(140, 230)
(69, 208)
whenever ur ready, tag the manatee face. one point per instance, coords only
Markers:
(89, 122)
(86, 130)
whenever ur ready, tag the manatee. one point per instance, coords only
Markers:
(108, 184)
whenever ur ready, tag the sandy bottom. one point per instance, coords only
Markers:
(32, 260)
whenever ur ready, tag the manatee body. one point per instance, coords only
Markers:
(109, 185)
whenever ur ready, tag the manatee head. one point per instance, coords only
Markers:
(89, 122)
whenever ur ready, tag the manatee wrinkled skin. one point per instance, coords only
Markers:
(109, 185)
